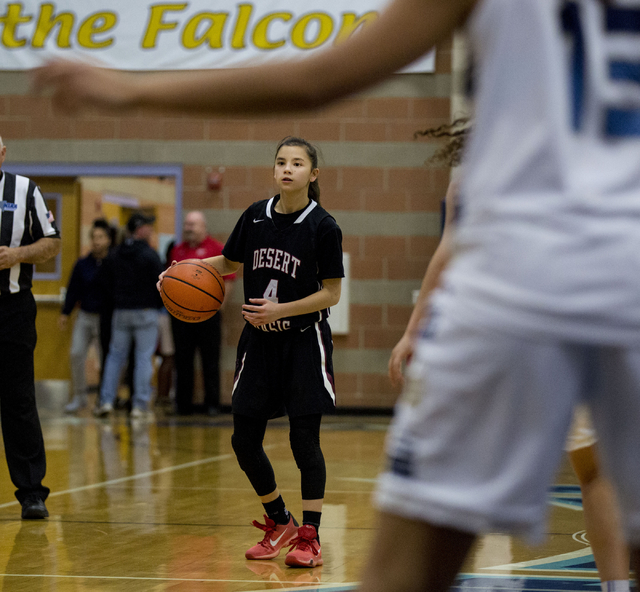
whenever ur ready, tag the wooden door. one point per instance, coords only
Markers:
(62, 195)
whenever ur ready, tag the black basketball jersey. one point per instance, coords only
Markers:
(286, 262)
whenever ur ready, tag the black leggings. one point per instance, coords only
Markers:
(304, 436)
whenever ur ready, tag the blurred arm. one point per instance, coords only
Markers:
(403, 350)
(405, 31)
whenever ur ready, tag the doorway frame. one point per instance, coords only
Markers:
(33, 169)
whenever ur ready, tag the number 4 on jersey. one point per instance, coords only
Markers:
(271, 293)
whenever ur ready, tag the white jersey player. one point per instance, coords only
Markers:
(540, 306)
(568, 171)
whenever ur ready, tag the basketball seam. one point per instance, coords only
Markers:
(190, 309)
(192, 286)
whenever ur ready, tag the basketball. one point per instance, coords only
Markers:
(192, 290)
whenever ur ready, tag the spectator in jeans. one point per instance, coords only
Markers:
(83, 289)
(131, 274)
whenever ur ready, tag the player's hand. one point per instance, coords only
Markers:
(63, 322)
(161, 276)
(401, 353)
(78, 85)
(8, 257)
(260, 312)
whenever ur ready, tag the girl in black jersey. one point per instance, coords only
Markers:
(291, 249)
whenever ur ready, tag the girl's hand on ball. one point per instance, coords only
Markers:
(161, 276)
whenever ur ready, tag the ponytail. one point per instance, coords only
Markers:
(312, 153)
(314, 191)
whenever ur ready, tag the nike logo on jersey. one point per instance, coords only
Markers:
(255, 220)
(274, 543)
(303, 330)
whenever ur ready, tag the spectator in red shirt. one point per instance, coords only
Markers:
(204, 336)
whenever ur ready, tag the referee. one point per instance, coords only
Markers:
(28, 235)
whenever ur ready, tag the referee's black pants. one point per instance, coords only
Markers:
(187, 339)
(21, 431)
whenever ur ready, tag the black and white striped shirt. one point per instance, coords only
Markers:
(24, 219)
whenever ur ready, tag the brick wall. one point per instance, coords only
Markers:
(373, 180)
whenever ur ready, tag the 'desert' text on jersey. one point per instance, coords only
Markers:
(275, 259)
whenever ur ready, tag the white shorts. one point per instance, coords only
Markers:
(479, 431)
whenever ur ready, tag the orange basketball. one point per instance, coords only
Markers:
(192, 290)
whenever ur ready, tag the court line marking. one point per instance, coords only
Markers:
(167, 579)
(248, 488)
(345, 586)
(581, 537)
(328, 586)
(194, 463)
(565, 506)
(479, 576)
(531, 565)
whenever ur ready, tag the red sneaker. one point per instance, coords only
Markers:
(276, 536)
(305, 548)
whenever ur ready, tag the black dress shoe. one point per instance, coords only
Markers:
(33, 508)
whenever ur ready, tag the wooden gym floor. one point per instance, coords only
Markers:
(161, 505)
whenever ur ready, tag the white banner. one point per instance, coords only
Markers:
(200, 34)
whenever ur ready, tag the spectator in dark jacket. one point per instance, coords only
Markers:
(130, 274)
(83, 289)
